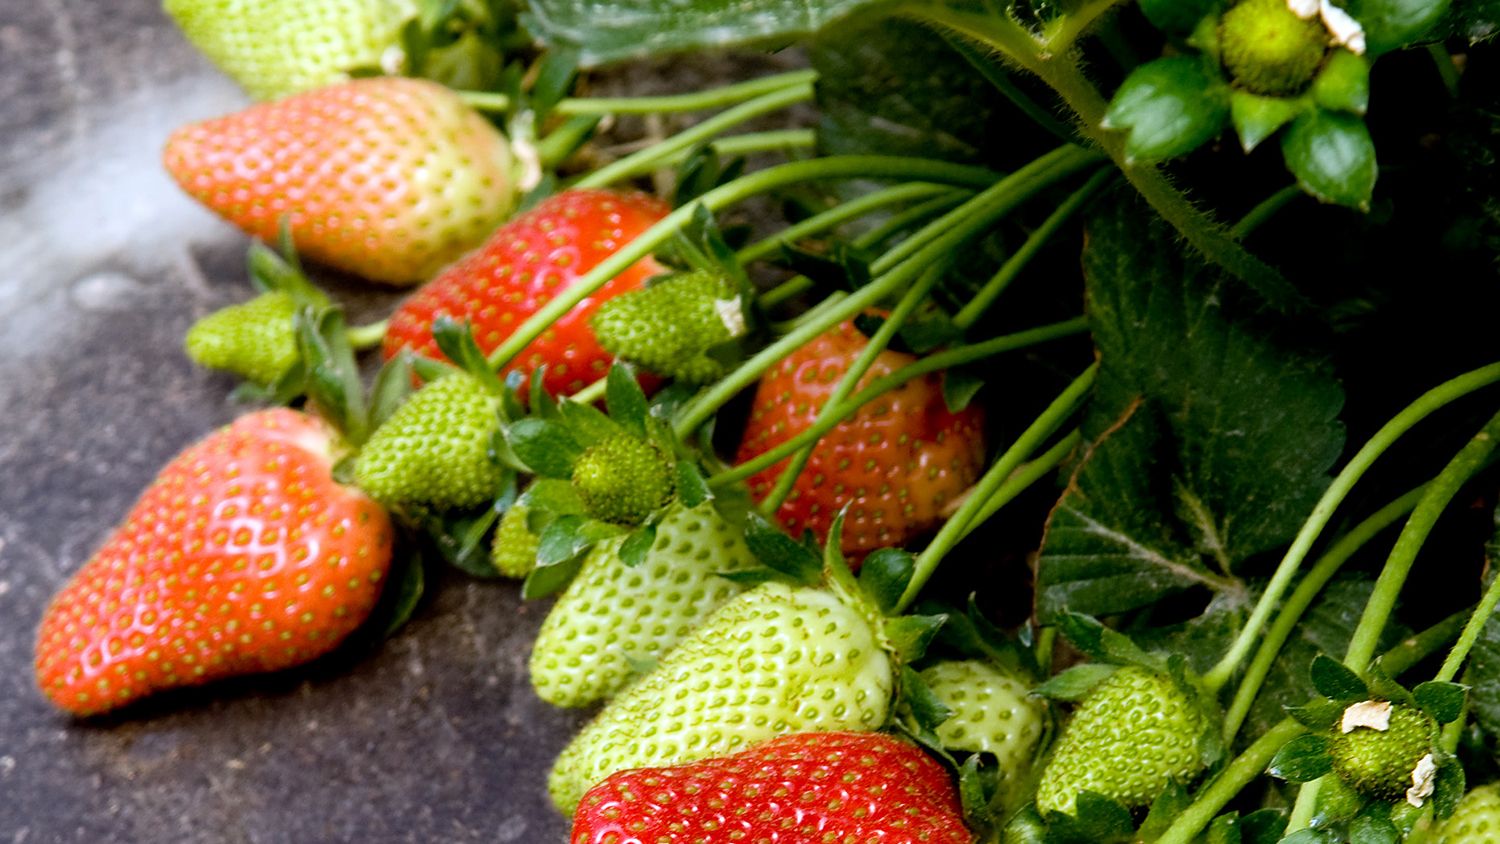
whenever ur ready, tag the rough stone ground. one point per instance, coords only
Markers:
(433, 736)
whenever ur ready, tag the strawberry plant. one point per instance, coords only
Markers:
(1028, 480)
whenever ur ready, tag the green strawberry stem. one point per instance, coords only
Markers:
(994, 479)
(1250, 764)
(1472, 629)
(938, 362)
(1055, 63)
(762, 181)
(1034, 242)
(1435, 499)
(1264, 210)
(562, 142)
(775, 140)
(956, 228)
(840, 214)
(1302, 597)
(878, 343)
(712, 98)
(592, 393)
(1402, 422)
(654, 156)
(363, 337)
(1442, 60)
(1028, 474)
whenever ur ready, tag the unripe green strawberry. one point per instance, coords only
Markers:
(277, 47)
(513, 550)
(624, 479)
(1476, 820)
(1129, 737)
(992, 713)
(775, 660)
(669, 327)
(254, 340)
(614, 616)
(1268, 49)
(434, 450)
(1379, 762)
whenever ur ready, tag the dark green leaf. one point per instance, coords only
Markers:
(456, 340)
(1333, 157)
(1103, 643)
(588, 424)
(1372, 830)
(333, 382)
(637, 545)
(1097, 819)
(1443, 701)
(1335, 680)
(1391, 24)
(568, 536)
(1264, 826)
(549, 580)
(608, 30)
(458, 539)
(625, 399)
(409, 589)
(554, 74)
(1076, 682)
(1164, 810)
(909, 635)
(925, 706)
(1309, 836)
(1476, 20)
(884, 576)
(780, 552)
(545, 446)
(1449, 787)
(692, 487)
(1170, 107)
(1177, 17)
(1225, 829)
(1303, 759)
(1318, 714)
(976, 788)
(1027, 827)
(391, 387)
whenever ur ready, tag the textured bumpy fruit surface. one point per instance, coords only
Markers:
(1134, 733)
(243, 556)
(434, 450)
(513, 548)
(624, 479)
(1476, 820)
(614, 617)
(390, 179)
(670, 327)
(520, 268)
(992, 713)
(897, 462)
(810, 787)
(254, 340)
(1268, 49)
(1379, 763)
(775, 660)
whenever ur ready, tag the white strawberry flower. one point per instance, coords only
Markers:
(1346, 31)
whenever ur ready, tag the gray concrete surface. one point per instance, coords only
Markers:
(434, 736)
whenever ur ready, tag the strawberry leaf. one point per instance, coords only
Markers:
(570, 535)
(549, 580)
(909, 635)
(1448, 787)
(692, 487)
(1076, 682)
(929, 711)
(635, 547)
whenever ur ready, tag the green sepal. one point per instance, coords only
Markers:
(692, 487)
(1333, 158)
(1384, 687)
(333, 382)
(428, 369)
(458, 538)
(1097, 819)
(1303, 759)
(1026, 827)
(1338, 802)
(1448, 786)
(547, 447)
(541, 402)
(1392, 24)
(928, 710)
(1076, 682)
(1257, 118)
(1373, 826)
(638, 544)
(391, 387)
(885, 575)
(1343, 84)
(1170, 107)
(1263, 826)
(588, 424)
(625, 399)
(974, 636)
(1105, 644)
(1317, 715)
(411, 583)
(1164, 810)
(548, 498)
(549, 580)
(701, 172)
(1310, 836)
(909, 635)
(1443, 701)
(1335, 680)
(780, 552)
(959, 389)
(1177, 17)
(570, 535)
(456, 340)
(1223, 830)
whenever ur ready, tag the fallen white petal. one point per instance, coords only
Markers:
(732, 314)
(1345, 29)
(1372, 714)
(1422, 781)
(1304, 9)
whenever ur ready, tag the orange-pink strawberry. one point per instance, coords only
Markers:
(387, 178)
(243, 556)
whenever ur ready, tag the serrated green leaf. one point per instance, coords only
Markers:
(1335, 680)
(1443, 701)
(1170, 107)
(609, 30)
(1333, 157)
(1076, 682)
(546, 446)
(1303, 759)
(625, 399)
(780, 552)
(884, 576)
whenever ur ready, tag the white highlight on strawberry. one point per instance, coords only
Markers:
(1423, 779)
(1346, 31)
(1370, 714)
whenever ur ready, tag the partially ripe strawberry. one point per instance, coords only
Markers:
(243, 556)
(277, 47)
(434, 451)
(897, 462)
(522, 266)
(804, 788)
(1476, 820)
(387, 178)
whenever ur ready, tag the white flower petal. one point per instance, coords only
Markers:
(1422, 781)
(1371, 714)
(1304, 9)
(1345, 29)
(732, 313)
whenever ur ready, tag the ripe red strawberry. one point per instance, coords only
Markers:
(899, 460)
(388, 178)
(243, 556)
(804, 787)
(520, 268)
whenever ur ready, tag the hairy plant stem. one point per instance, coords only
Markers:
(994, 478)
(880, 386)
(771, 178)
(1056, 63)
(955, 228)
(1472, 630)
(1212, 798)
(1281, 579)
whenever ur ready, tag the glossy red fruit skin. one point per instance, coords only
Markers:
(387, 178)
(798, 789)
(242, 556)
(523, 265)
(898, 462)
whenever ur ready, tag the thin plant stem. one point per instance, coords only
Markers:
(840, 214)
(565, 140)
(694, 101)
(1264, 211)
(994, 478)
(363, 337)
(774, 140)
(1028, 474)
